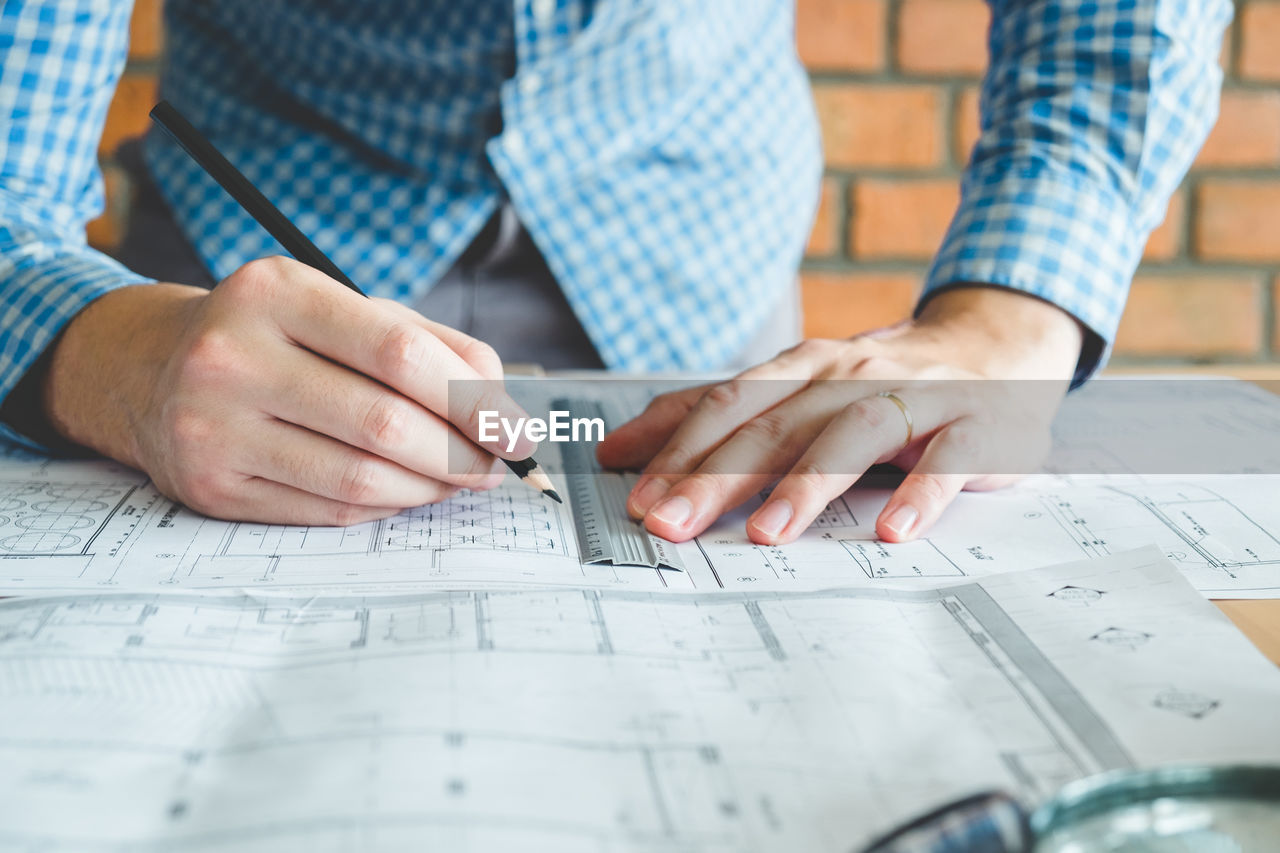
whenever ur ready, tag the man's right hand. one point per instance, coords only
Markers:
(280, 396)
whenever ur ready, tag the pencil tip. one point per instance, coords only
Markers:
(551, 493)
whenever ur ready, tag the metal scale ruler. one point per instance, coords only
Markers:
(606, 534)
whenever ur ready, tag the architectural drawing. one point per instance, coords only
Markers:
(585, 719)
(82, 525)
(1223, 532)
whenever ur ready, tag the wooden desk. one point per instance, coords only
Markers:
(1259, 621)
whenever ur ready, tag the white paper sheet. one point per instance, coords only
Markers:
(589, 720)
(94, 525)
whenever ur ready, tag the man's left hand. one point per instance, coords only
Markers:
(705, 450)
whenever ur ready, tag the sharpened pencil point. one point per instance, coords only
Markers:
(551, 493)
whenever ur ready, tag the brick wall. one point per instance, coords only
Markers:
(896, 87)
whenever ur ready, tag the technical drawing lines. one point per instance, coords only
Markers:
(512, 519)
(806, 561)
(1195, 525)
(502, 520)
(55, 519)
(918, 559)
(1202, 519)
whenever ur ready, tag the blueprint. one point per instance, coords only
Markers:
(68, 525)
(1222, 532)
(600, 720)
(88, 525)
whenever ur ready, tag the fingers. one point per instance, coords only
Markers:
(750, 459)
(268, 502)
(388, 346)
(634, 443)
(473, 351)
(320, 465)
(965, 454)
(917, 503)
(867, 431)
(679, 429)
(722, 408)
(330, 400)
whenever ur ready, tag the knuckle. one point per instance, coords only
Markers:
(965, 441)
(935, 373)
(212, 355)
(874, 365)
(484, 358)
(666, 405)
(929, 487)
(813, 347)
(767, 430)
(254, 278)
(359, 482)
(865, 415)
(809, 475)
(401, 351)
(723, 395)
(386, 423)
(345, 515)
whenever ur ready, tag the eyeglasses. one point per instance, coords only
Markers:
(989, 822)
(1160, 810)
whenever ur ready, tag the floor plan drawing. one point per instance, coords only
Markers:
(723, 722)
(46, 519)
(85, 526)
(96, 525)
(510, 520)
(1221, 531)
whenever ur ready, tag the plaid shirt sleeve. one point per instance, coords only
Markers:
(59, 62)
(1091, 114)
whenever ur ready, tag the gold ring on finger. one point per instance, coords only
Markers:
(906, 413)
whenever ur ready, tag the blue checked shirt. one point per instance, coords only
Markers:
(663, 154)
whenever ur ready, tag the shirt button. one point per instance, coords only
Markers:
(530, 82)
(542, 9)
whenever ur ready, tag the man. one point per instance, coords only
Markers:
(637, 177)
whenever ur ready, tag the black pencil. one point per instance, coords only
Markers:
(294, 241)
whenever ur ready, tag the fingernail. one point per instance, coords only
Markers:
(649, 493)
(902, 519)
(773, 517)
(674, 511)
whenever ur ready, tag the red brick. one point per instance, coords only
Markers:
(1195, 315)
(840, 304)
(127, 116)
(888, 126)
(943, 36)
(824, 239)
(842, 35)
(1166, 241)
(1238, 220)
(965, 124)
(1259, 23)
(1247, 132)
(146, 29)
(106, 231)
(901, 218)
